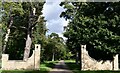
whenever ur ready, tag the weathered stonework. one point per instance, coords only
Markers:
(32, 63)
(88, 63)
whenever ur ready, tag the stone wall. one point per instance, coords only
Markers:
(32, 63)
(88, 63)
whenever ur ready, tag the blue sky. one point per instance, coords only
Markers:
(52, 11)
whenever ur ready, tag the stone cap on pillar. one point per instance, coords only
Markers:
(83, 46)
(37, 47)
(5, 57)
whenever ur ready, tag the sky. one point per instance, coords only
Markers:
(51, 12)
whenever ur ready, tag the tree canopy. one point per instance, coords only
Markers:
(55, 48)
(22, 26)
(94, 24)
(23, 23)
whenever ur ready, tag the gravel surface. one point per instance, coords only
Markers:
(60, 68)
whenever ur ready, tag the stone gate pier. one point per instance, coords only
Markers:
(88, 63)
(33, 63)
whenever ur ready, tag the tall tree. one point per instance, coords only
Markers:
(9, 12)
(93, 24)
(34, 18)
(10, 23)
(55, 48)
(39, 36)
(26, 17)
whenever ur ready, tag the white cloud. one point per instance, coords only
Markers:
(56, 26)
(52, 11)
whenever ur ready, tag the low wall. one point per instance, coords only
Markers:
(32, 63)
(88, 63)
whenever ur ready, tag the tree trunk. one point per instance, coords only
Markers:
(53, 57)
(7, 34)
(29, 34)
(29, 38)
(28, 41)
(77, 56)
(6, 40)
(27, 47)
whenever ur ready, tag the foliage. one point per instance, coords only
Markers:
(1, 34)
(94, 24)
(18, 33)
(10, 9)
(55, 47)
(39, 35)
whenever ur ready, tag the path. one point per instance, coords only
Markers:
(60, 68)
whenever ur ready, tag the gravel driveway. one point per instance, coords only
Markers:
(60, 68)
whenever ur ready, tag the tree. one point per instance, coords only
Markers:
(93, 24)
(39, 36)
(26, 17)
(33, 19)
(55, 48)
(12, 14)
(7, 21)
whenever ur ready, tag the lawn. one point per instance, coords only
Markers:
(45, 67)
(76, 68)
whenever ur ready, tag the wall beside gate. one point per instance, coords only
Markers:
(88, 63)
(32, 63)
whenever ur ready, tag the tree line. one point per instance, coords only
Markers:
(24, 26)
(94, 24)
